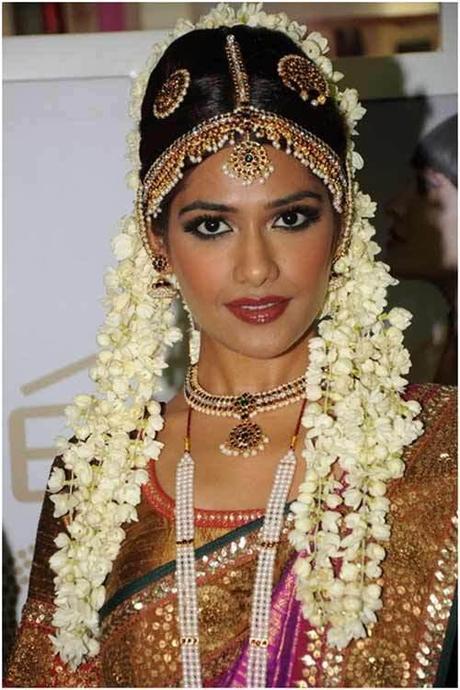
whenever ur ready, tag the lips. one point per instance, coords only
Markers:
(258, 310)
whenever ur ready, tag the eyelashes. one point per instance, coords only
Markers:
(211, 227)
(291, 219)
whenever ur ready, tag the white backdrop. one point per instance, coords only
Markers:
(64, 147)
(64, 168)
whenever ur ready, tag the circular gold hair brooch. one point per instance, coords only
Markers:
(301, 75)
(248, 162)
(171, 94)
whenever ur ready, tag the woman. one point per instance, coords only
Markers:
(247, 205)
(422, 251)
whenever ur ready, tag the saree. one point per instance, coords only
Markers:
(139, 628)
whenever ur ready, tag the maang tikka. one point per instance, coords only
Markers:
(248, 161)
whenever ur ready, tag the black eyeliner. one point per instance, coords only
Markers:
(311, 214)
(191, 226)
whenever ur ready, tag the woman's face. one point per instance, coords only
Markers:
(253, 261)
(423, 233)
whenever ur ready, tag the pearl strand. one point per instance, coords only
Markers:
(269, 539)
(186, 568)
(186, 574)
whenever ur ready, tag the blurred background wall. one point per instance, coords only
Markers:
(353, 28)
(67, 81)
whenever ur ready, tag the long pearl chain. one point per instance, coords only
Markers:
(268, 542)
(186, 573)
(269, 538)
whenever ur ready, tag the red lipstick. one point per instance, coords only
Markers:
(258, 311)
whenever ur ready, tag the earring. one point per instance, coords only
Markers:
(162, 286)
(160, 263)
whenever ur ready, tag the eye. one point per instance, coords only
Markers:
(207, 227)
(297, 218)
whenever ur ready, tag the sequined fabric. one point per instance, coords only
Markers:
(419, 572)
(139, 645)
(140, 636)
(418, 579)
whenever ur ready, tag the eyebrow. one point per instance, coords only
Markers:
(297, 196)
(223, 208)
(207, 206)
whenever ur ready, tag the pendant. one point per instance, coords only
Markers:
(245, 439)
(248, 162)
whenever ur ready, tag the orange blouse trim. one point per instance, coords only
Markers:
(166, 506)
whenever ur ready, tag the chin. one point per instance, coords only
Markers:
(268, 343)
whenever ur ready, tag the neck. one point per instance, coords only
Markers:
(224, 372)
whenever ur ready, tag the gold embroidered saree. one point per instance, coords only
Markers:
(140, 641)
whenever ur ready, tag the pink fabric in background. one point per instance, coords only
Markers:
(111, 16)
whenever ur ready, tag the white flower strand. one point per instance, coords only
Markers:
(355, 416)
(356, 365)
(106, 465)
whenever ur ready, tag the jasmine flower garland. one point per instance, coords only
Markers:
(355, 415)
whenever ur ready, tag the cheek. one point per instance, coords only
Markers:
(308, 263)
(200, 274)
(206, 273)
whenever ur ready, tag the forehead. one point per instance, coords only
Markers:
(208, 180)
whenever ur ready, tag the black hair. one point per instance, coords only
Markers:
(438, 150)
(211, 91)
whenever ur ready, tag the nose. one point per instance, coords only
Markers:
(255, 262)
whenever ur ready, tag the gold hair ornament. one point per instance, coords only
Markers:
(248, 160)
(219, 131)
(238, 72)
(171, 94)
(301, 75)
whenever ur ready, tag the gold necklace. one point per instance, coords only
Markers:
(247, 438)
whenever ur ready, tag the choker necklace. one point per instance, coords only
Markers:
(269, 538)
(247, 438)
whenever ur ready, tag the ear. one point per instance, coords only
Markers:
(156, 237)
(338, 230)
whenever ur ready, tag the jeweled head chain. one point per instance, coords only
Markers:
(356, 368)
(248, 160)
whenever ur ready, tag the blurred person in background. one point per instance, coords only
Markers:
(422, 253)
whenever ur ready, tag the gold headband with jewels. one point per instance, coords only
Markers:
(220, 131)
(171, 94)
(248, 160)
(301, 75)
